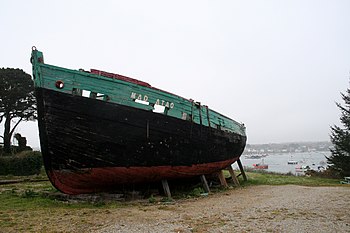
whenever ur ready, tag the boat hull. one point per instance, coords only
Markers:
(90, 145)
(260, 166)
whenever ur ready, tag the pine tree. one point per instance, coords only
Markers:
(17, 101)
(339, 161)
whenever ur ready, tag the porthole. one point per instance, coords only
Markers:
(59, 84)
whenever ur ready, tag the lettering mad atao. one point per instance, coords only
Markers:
(167, 104)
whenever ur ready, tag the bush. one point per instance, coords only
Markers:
(196, 192)
(29, 193)
(329, 173)
(23, 164)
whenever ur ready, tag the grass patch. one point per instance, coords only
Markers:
(255, 178)
(36, 203)
(29, 196)
(36, 195)
(28, 200)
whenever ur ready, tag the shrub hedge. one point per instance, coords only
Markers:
(23, 164)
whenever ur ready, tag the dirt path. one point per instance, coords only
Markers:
(253, 209)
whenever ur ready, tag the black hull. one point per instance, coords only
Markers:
(83, 137)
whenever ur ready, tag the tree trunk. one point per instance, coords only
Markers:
(7, 135)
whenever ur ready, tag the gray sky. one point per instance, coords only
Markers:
(277, 66)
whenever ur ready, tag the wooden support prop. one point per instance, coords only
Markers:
(166, 188)
(242, 170)
(205, 183)
(222, 179)
(233, 176)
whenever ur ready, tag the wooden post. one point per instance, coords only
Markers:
(166, 188)
(205, 183)
(233, 176)
(242, 170)
(222, 179)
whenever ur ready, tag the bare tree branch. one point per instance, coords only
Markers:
(14, 127)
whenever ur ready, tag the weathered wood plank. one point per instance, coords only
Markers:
(233, 176)
(166, 188)
(222, 179)
(205, 183)
(241, 169)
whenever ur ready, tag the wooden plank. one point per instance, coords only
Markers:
(205, 183)
(222, 179)
(166, 188)
(241, 169)
(233, 176)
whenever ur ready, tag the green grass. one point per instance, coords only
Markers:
(11, 201)
(34, 202)
(255, 178)
(35, 195)
(39, 195)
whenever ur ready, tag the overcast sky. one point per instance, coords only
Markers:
(277, 66)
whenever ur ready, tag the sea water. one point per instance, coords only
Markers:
(279, 162)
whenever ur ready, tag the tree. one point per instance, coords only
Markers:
(17, 101)
(340, 138)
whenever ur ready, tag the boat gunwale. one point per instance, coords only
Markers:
(166, 93)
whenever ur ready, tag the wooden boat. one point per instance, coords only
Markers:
(256, 156)
(302, 168)
(261, 165)
(99, 130)
(291, 161)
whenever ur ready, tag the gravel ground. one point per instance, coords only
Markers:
(286, 208)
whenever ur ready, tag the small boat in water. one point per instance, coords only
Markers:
(302, 168)
(291, 161)
(261, 165)
(256, 156)
(313, 167)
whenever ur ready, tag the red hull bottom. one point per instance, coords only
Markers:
(108, 178)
